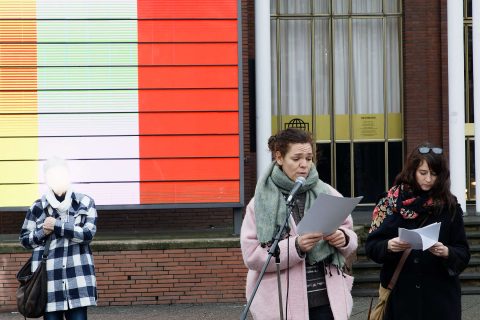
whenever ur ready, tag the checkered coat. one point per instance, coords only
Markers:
(70, 267)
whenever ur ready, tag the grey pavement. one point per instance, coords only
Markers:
(225, 311)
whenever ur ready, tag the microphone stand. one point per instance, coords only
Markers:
(273, 251)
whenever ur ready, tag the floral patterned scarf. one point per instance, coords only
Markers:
(401, 199)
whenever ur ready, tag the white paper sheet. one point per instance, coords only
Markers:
(422, 238)
(326, 214)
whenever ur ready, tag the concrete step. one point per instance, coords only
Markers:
(465, 276)
(369, 266)
(373, 292)
(474, 251)
(473, 237)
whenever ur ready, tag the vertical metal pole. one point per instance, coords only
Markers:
(456, 99)
(263, 83)
(237, 220)
(476, 96)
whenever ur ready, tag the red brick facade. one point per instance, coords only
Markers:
(151, 276)
(425, 80)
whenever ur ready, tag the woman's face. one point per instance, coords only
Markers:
(58, 179)
(425, 177)
(297, 161)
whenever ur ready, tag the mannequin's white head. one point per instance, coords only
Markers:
(57, 175)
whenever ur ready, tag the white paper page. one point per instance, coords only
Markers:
(326, 214)
(422, 238)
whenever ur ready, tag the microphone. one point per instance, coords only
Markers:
(298, 184)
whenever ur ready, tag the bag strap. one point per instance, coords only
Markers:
(47, 243)
(402, 262)
(398, 269)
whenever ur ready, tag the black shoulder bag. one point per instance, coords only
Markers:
(32, 293)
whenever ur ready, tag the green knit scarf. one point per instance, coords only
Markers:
(270, 209)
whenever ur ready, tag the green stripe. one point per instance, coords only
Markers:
(87, 9)
(87, 31)
(87, 78)
(115, 54)
(88, 101)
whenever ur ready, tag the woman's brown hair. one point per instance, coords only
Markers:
(282, 140)
(437, 163)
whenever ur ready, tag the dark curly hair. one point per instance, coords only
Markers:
(282, 140)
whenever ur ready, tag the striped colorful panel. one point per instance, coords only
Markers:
(141, 97)
(18, 81)
(87, 51)
(183, 90)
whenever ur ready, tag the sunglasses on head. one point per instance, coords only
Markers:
(424, 150)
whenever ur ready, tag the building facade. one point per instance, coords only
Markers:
(368, 78)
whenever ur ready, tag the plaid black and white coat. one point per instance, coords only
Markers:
(70, 267)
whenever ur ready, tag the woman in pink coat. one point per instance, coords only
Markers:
(314, 284)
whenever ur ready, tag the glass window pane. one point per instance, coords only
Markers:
(471, 183)
(392, 6)
(367, 62)
(366, 6)
(340, 6)
(322, 80)
(369, 162)
(343, 169)
(340, 66)
(324, 162)
(322, 66)
(341, 79)
(297, 6)
(273, 54)
(295, 64)
(273, 6)
(469, 8)
(395, 161)
(321, 6)
(392, 80)
(469, 65)
(367, 47)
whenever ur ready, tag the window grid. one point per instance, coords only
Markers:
(313, 17)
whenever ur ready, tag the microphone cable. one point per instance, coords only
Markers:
(288, 277)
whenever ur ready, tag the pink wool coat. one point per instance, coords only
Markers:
(265, 303)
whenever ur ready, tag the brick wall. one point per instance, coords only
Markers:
(424, 76)
(132, 220)
(248, 92)
(166, 276)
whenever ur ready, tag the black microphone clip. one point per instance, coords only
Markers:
(299, 182)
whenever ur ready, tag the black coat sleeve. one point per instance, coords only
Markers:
(458, 249)
(377, 241)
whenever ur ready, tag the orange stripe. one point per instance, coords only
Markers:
(189, 123)
(190, 169)
(188, 100)
(188, 77)
(189, 146)
(187, 31)
(187, 9)
(18, 55)
(18, 102)
(18, 31)
(189, 192)
(181, 54)
(18, 78)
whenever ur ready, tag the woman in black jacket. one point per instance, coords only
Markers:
(428, 286)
